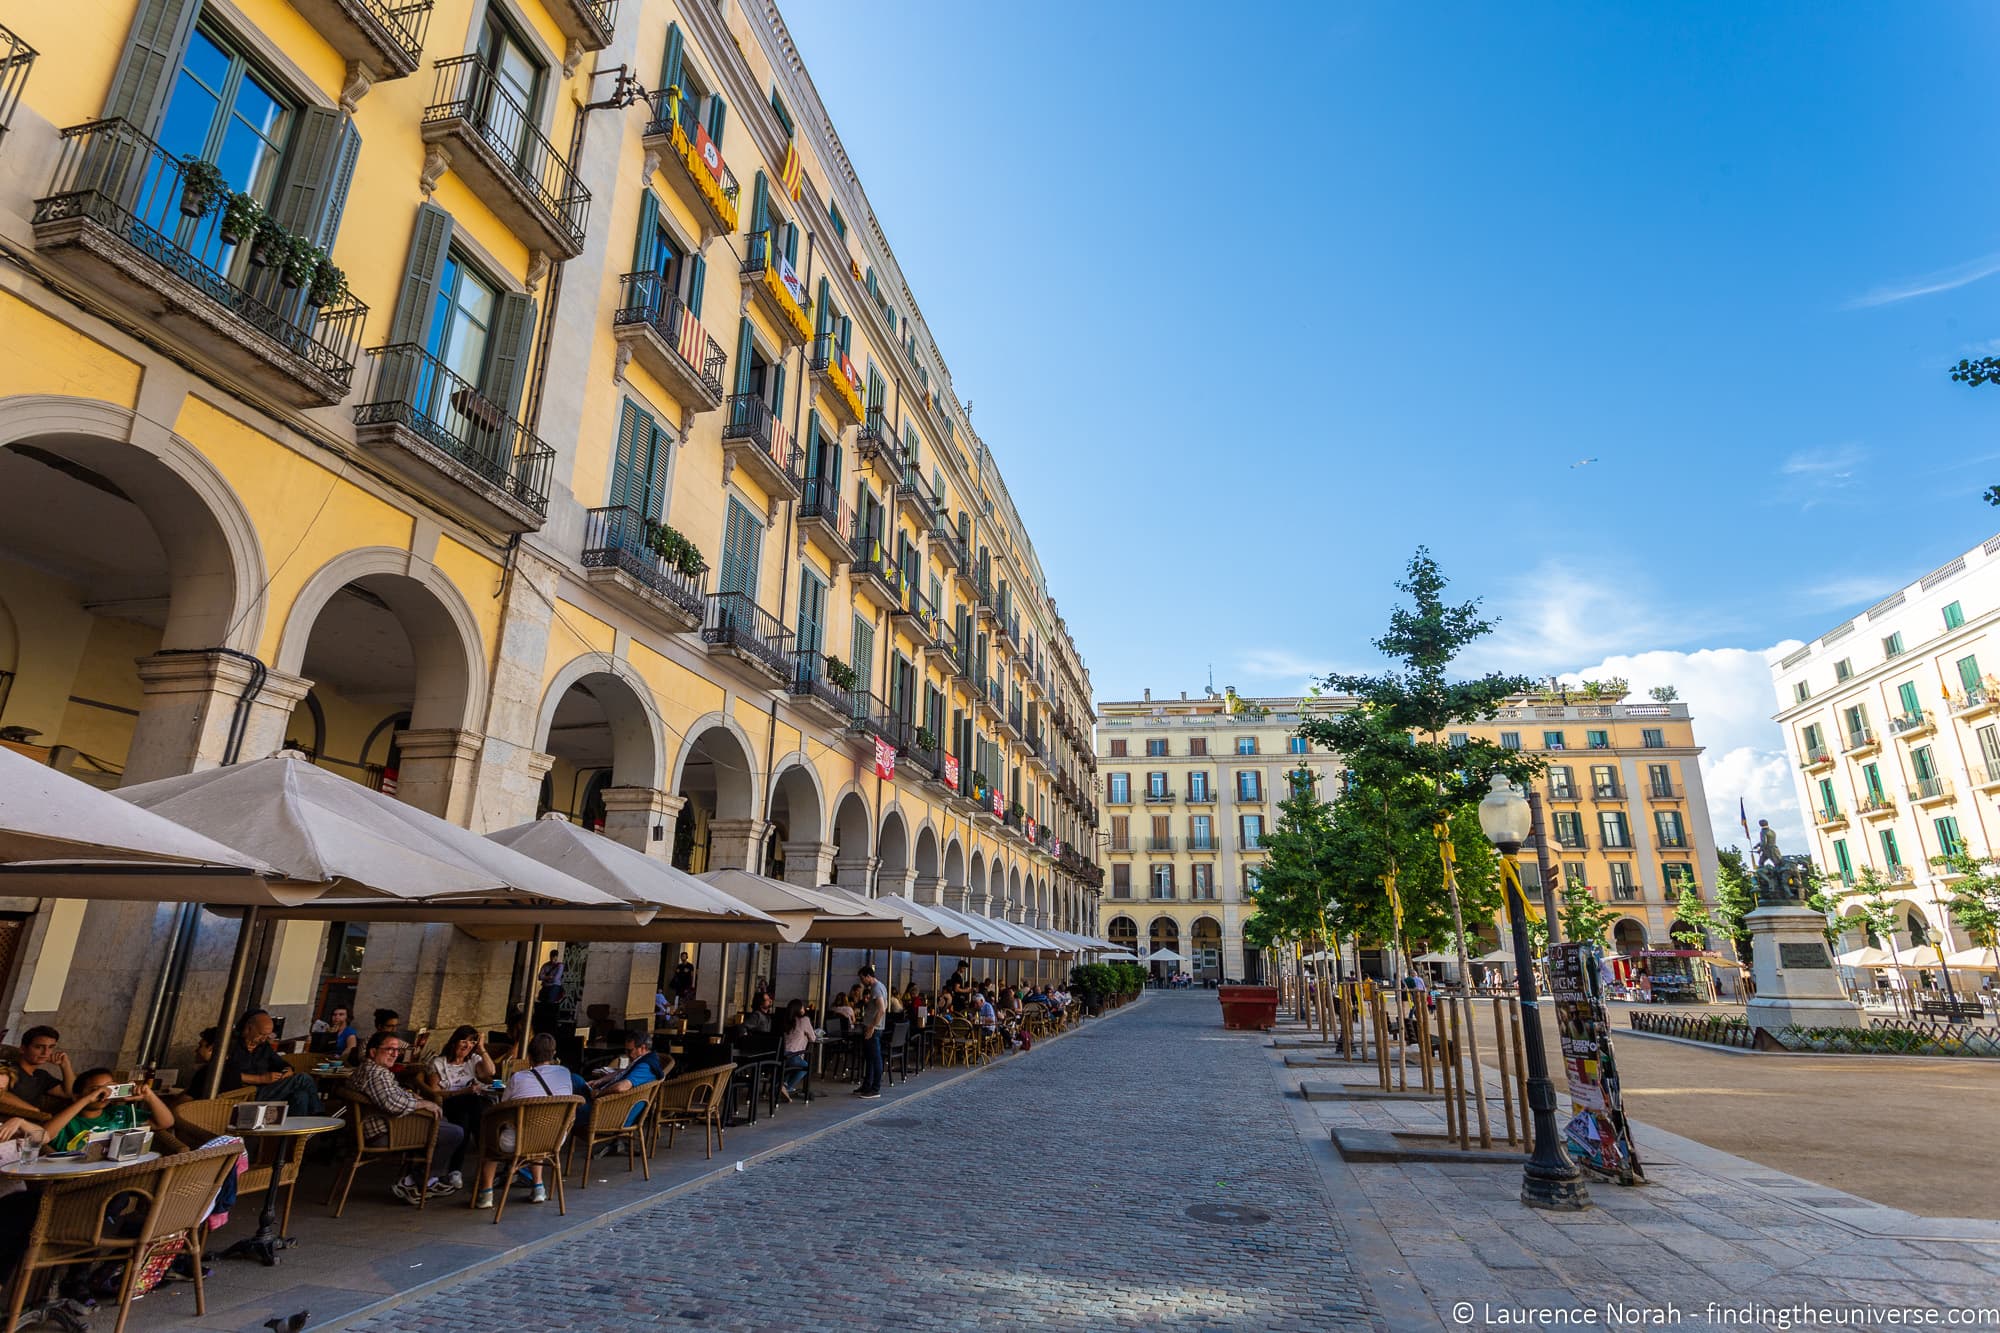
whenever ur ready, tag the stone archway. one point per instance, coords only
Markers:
(893, 872)
(797, 849)
(1016, 905)
(1205, 949)
(607, 753)
(717, 780)
(975, 901)
(1163, 933)
(1628, 935)
(952, 889)
(854, 840)
(1123, 931)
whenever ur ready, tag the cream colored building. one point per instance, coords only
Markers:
(543, 452)
(1189, 789)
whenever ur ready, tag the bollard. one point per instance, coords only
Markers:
(1424, 1045)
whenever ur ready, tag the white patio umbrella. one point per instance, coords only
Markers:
(1504, 956)
(1121, 956)
(1434, 957)
(1866, 956)
(1163, 956)
(62, 838)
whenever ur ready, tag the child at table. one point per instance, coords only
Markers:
(94, 1111)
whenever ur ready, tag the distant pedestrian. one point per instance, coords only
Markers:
(874, 1010)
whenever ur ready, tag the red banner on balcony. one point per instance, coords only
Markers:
(999, 806)
(951, 771)
(1055, 846)
(689, 340)
(711, 156)
(847, 369)
(1031, 828)
(885, 759)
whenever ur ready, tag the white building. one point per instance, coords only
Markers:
(1893, 721)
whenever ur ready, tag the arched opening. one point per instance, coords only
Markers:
(797, 816)
(1014, 902)
(892, 868)
(717, 779)
(1205, 949)
(925, 862)
(601, 731)
(1686, 936)
(1164, 933)
(954, 867)
(854, 840)
(1124, 932)
(110, 554)
(1628, 936)
(1918, 929)
(975, 883)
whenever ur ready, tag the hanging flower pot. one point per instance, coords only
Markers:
(201, 183)
(266, 243)
(240, 217)
(297, 262)
(329, 285)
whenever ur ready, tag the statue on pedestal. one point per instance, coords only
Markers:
(1782, 881)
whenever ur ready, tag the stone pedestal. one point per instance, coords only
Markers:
(633, 815)
(857, 873)
(898, 882)
(1797, 982)
(928, 889)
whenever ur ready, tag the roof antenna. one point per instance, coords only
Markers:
(1211, 680)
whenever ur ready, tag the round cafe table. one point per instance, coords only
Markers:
(61, 1168)
(264, 1245)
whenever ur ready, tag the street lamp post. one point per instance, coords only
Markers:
(1549, 1180)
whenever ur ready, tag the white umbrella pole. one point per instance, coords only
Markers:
(528, 991)
(232, 995)
(722, 994)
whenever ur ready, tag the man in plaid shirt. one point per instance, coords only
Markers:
(375, 1081)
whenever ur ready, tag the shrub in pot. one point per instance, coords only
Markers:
(240, 216)
(201, 184)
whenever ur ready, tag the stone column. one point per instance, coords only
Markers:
(809, 864)
(975, 902)
(894, 881)
(1017, 914)
(927, 889)
(856, 872)
(643, 819)
(190, 702)
(735, 844)
(435, 771)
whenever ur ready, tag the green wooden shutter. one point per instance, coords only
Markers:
(778, 391)
(824, 314)
(833, 473)
(1968, 673)
(670, 67)
(741, 548)
(717, 113)
(656, 472)
(812, 610)
(1906, 694)
(645, 245)
(846, 335)
(743, 358)
(421, 272)
(863, 653)
(628, 464)
(792, 245)
(697, 273)
(312, 190)
(153, 50)
(760, 211)
(811, 442)
(513, 348)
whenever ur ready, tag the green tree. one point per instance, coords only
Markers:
(1584, 919)
(1882, 915)
(1735, 898)
(1976, 371)
(1975, 897)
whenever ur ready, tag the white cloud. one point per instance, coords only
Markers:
(1843, 591)
(1817, 476)
(1729, 695)
(1944, 280)
(1557, 615)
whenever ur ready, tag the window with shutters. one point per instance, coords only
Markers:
(1121, 879)
(1622, 888)
(1162, 881)
(1198, 746)
(1118, 748)
(1156, 749)
(1251, 830)
(1118, 789)
(1617, 835)
(1249, 785)
(1672, 832)
(861, 655)
(742, 551)
(812, 611)
(639, 466)
(224, 110)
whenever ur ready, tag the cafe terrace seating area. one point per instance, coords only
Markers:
(313, 1223)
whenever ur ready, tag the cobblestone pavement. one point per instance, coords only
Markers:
(1135, 1173)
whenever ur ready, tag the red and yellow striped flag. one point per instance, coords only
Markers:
(793, 173)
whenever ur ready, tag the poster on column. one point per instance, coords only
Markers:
(1597, 1135)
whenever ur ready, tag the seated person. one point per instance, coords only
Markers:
(94, 1110)
(11, 1106)
(758, 1020)
(382, 1097)
(343, 1036)
(453, 1080)
(663, 1008)
(253, 1061)
(983, 1012)
(204, 1054)
(544, 1077)
(843, 1005)
(386, 1020)
(795, 1039)
(644, 1065)
(46, 1075)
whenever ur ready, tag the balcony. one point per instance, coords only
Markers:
(1159, 844)
(1008, 723)
(736, 626)
(588, 23)
(1119, 845)
(837, 379)
(1199, 842)
(945, 545)
(918, 617)
(1673, 842)
(619, 561)
(879, 574)
(1664, 791)
(1911, 726)
(655, 328)
(491, 141)
(1203, 795)
(877, 440)
(17, 58)
(1861, 743)
(699, 175)
(1253, 842)
(984, 608)
(116, 216)
(1616, 842)
(1607, 791)
(1976, 702)
(446, 436)
(1875, 807)
(1817, 760)
(1007, 630)
(1574, 840)
(1986, 776)
(827, 520)
(916, 499)
(988, 697)
(813, 690)
(1830, 819)
(772, 282)
(1250, 797)
(1161, 797)
(1900, 874)
(754, 439)
(1927, 792)
(942, 651)
(1563, 794)
(384, 37)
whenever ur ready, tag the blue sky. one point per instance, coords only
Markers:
(1247, 310)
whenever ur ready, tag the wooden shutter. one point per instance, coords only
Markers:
(812, 610)
(743, 357)
(513, 348)
(312, 190)
(824, 314)
(742, 546)
(811, 442)
(778, 391)
(645, 245)
(421, 272)
(656, 471)
(670, 65)
(152, 56)
(863, 653)
(697, 273)
(628, 463)
(717, 113)
(760, 210)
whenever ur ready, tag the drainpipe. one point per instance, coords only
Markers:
(784, 587)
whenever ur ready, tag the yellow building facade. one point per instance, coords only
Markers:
(517, 406)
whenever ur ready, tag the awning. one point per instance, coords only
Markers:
(1163, 956)
(839, 921)
(1868, 956)
(1972, 960)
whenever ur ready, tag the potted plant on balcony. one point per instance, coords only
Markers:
(267, 242)
(240, 217)
(676, 550)
(297, 260)
(201, 183)
(926, 740)
(329, 285)
(840, 675)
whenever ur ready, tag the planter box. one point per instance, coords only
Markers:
(1248, 1008)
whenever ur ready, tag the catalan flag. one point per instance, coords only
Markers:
(793, 173)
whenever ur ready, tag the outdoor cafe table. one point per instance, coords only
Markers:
(264, 1246)
(55, 1168)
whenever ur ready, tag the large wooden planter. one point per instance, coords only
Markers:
(1248, 1008)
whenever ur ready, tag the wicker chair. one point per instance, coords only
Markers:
(175, 1193)
(540, 1126)
(609, 1117)
(690, 1100)
(412, 1138)
(197, 1122)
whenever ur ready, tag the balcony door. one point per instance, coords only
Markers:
(742, 551)
(509, 99)
(222, 111)
(812, 612)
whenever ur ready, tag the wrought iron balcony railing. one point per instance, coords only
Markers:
(110, 174)
(821, 500)
(735, 621)
(418, 392)
(619, 537)
(753, 421)
(674, 119)
(809, 678)
(646, 298)
(16, 59)
(468, 94)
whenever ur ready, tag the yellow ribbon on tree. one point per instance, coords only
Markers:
(1447, 853)
(1395, 898)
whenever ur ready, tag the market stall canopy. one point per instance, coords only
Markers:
(375, 857)
(926, 933)
(829, 920)
(63, 838)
